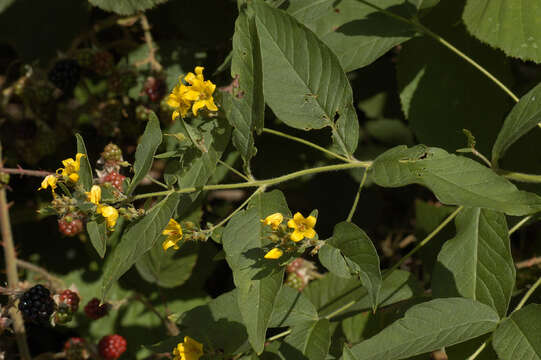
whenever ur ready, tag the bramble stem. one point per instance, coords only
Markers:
(448, 45)
(233, 170)
(11, 271)
(305, 142)
(259, 183)
(357, 196)
(21, 171)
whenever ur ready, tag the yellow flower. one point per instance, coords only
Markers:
(109, 213)
(273, 220)
(94, 196)
(274, 254)
(71, 168)
(200, 91)
(173, 230)
(180, 100)
(190, 349)
(303, 227)
(49, 181)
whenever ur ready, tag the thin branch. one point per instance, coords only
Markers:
(170, 326)
(157, 182)
(233, 170)
(527, 295)
(357, 196)
(528, 263)
(21, 171)
(519, 224)
(152, 48)
(39, 270)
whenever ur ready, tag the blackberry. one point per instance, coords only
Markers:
(75, 349)
(112, 346)
(94, 311)
(103, 63)
(122, 80)
(65, 74)
(115, 179)
(154, 88)
(295, 281)
(85, 57)
(37, 305)
(112, 153)
(71, 299)
(70, 225)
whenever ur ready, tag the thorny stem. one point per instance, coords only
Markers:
(11, 271)
(233, 170)
(170, 326)
(34, 268)
(99, 26)
(258, 183)
(357, 196)
(305, 142)
(445, 43)
(528, 263)
(152, 48)
(21, 171)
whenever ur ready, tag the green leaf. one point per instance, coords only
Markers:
(436, 100)
(126, 7)
(390, 131)
(151, 139)
(258, 280)
(292, 307)
(426, 327)
(360, 255)
(137, 240)
(518, 336)
(512, 26)
(318, 91)
(97, 231)
(331, 292)
(455, 180)
(167, 268)
(477, 262)
(524, 116)
(85, 171)
(246, 106)
(308, 340)
(4, 4)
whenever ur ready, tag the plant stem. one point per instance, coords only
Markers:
(519, 224)
(233, 170)
(21, 171)
(152, 48)
(259, 183)
(527, 295)
(516, 176)
(11, 271)
(357, 196)
(157, 182)
(448, 45)
(53, 280)
(480, 349)
(306, 142)
(280, 335)
(221, 223)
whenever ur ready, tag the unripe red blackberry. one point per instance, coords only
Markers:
(37, 305)
(115, 179)
(94, 311)
(75, 349)
(65, 74)
(103, 63)
(154, 88)
(112, 346)
(70, 298)
(111, 153)
(295, 265)
(70, 224)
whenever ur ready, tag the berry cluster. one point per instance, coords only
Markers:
(37, 305)
(75, 349)
(114, 178)
(154, 88)
(94, 310)
(112, 346)
(70, 225)
(112, 154)
(68, 303)
(65, 74)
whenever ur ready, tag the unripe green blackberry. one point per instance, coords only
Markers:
(295, 281)
(65, 74)
(37, 305)
(142, 112)
(85, 58)
(111, 153)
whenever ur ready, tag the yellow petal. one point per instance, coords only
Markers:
(172, 101)
(175, 114)
(74, 177)
(211, 105)
(190, 77)
(191, 95)
(274, 254)
(94, 196)
(311, 221)
(193, 345)
(298, 217)
(199, 70)
(310, 233)
(169, 243)
(292, 224)
(197, 106)
(297, 236)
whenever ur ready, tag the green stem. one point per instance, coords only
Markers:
(259, 183)
(527, 295)
(305, 142)
(280, 335)
(357, 196)
(519, 224)
(516, 176)
(448, 45)
(480, 349)
(157, 182)
(221, 223)
(233, 170)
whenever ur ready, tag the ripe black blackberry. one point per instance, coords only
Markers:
(65, 74)
(37, 305)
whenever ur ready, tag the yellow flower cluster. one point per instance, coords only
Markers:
(173, 231)
(190, 349)
(197, 95)
(108, 212)
(302, 228)
(70, 172)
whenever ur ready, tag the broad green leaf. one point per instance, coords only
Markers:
(523, 117)
(167, 268)
(126, 7)
(331, 292)
(97, 231)
(309, 340)
(245, 107)
(360, 255)
(292, 307)
(477, 262)
(4, 4)
(151, 139)
(455, 180)
(333, 260)
(436, 100)
(512, 26)
(137, 240)
(258, 280)
(518, 336)
(318, 91)
(85, 171)
(427, 327)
